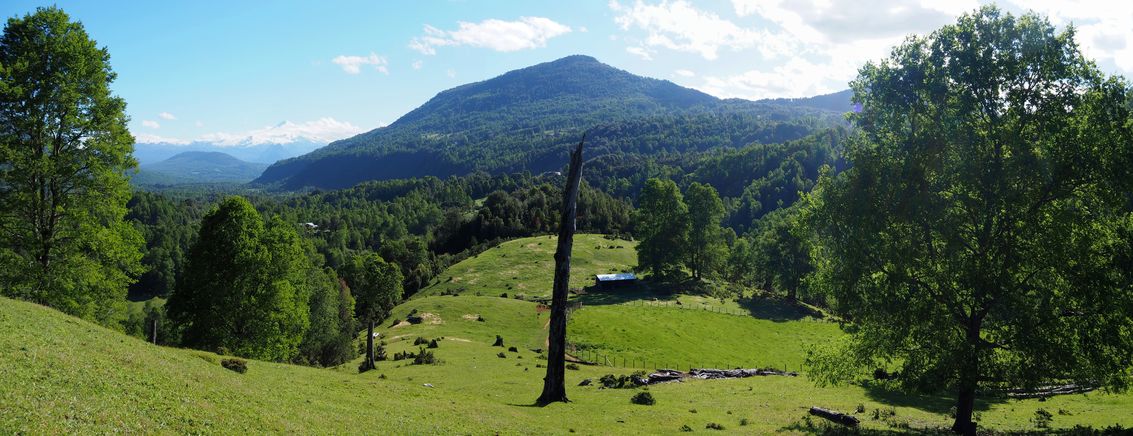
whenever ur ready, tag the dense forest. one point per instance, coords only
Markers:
(524, 120)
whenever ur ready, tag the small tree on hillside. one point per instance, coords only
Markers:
(706, 248)
(376, 285)
(983, 232)
(662, 225)
(781, 251)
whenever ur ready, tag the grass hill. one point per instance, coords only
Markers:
(198, 167)
(522, 120)
(526, 265)
(64, 375)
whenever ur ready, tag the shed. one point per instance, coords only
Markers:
(606, 281)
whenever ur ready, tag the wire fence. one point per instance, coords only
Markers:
(679, 305)
(614, 360)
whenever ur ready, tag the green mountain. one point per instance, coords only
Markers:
(198, 167)
(523, 120)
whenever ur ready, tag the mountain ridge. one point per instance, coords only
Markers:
(198, 167)
(522, 120)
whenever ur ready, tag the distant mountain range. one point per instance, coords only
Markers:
(193, 167)
(524, 119)
(265, 153)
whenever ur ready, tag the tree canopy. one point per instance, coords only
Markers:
(662, 225)
(981, 236)
(245, 287)
(65, 152)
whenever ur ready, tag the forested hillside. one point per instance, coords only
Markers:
(522, 120)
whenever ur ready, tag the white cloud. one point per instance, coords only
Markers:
(795, 78)
(640, 52)
(353, 64)
(451, 73)
(199, 124)
(677, 25)
(166, 116)
(151, 124)
(583, 29)
(417, 64)
(146, 138)
(322, 130)
(1103, 28)
(498, 35)
(685, 73)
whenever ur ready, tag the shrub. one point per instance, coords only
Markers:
(238, 365)
(499, 341)
(433, 344)
(1042, 418)
(382, 377)
(503, 295)
(501, 355)
(424, 357)
(685, 428)
(643, 398)
(572, 367)
(714, 426)
(744, 421)
(479, 318)
(513, 349)
(860, 409)
(420, 341)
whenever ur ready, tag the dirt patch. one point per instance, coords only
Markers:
(470, 317)
(403, 323)
(447, 338)
(431, 318)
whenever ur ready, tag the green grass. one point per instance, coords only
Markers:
(526, 266)
(64, 375)
(691, 338)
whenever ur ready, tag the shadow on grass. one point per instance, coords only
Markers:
(777, 309)
(940, 404)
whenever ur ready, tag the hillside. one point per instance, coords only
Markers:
(521, 120)
(526, 266)
(198, 167)
(63, 375)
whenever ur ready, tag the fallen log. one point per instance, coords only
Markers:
(837, 417)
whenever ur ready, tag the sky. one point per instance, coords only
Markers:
(222, 71)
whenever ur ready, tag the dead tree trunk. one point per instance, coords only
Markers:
(554, 387)
(369, 346)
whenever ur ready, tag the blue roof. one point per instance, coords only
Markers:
(615, 277)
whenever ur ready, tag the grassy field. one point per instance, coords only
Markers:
(526, 266)
(63, 375)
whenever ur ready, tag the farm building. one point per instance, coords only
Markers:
(606, 281)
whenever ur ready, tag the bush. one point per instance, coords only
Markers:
(499, 341)
(685, 428)
(420, 341)
(1042, 418)
(433, 344)
(503, 295)
(501, 355)
(513, 349)
(424, 357)
(643, 398)
(479, 318)
(744, 421)
(714, 426)
(238, 365)
(572, 367)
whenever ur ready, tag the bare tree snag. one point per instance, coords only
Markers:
(554, 387)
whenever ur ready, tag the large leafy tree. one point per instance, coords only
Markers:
(376, 285)
(662, 225)
(706, 248)
(780, 251)
(981, 236)
(64, 154)
(245, 287)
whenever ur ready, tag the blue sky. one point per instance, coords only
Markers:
(220, 71)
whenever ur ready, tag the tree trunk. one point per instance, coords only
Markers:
(369, 345)
(969, 375)
(554, 386)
